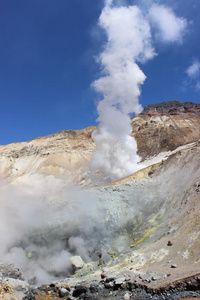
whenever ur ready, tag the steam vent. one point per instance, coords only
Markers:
(69, 231)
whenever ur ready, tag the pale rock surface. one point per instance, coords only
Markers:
(15, 289)
(77, 262)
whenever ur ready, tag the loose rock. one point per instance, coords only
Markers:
(119, 280)
(77, 262)
(17, 289)
(110, 277)
(103, 275)
(63, 292)
(146, 280)
(109, 285)
(169, 243)
(127, 296)
(173, 266)
(79, 290)
(155, 277)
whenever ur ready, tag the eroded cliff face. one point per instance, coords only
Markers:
(61, 155)
(66, 154)
(166, 126)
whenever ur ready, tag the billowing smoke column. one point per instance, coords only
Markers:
(129, 41)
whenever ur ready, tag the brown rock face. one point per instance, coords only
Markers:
(66, 154)
(166, 126)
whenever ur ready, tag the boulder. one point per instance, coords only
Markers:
(9, 270)
(120, 280)
(127, 296)
(77, 262)
(15, 289)
(63, 292)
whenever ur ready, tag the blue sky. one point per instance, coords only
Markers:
(47, 65)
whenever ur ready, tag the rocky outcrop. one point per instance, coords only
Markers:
(166, 126)
(62, 155)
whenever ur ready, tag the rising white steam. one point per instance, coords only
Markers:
(39, 233)
(129, 41)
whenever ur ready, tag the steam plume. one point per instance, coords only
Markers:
(39, 233)
(129, 41)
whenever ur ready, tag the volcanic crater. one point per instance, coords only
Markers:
(67, 232)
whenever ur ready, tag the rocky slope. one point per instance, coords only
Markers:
(165, 126)
(138, 237)
(62, 155)
(66, 154)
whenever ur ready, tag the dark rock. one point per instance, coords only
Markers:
(171, 106)
(173, 266)
(79, 290)
(146, 280)
(103, 275)
(94, 287)
(169, 243)
(52, 285)
(110, 277)
(109, 285)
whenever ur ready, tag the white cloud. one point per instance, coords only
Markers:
(169, 27)
(193, 72)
